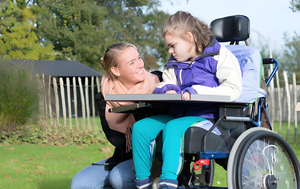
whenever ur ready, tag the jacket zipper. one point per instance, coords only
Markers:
(180, 77)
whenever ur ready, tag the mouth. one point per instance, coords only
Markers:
(141, 71)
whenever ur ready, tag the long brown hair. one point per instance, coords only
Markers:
(183, 22)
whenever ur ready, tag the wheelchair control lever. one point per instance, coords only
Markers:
(200, 163)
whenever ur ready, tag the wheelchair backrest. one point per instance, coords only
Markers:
(251, 65)
(234, 29)
(231, 29)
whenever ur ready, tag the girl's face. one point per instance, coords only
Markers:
(130, 70)
(181, 49)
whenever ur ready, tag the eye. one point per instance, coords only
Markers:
(131, 63)
(140, 57)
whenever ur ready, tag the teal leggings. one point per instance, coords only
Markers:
(146, 130)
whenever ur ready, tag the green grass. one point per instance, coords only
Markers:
(46, 167)
(53, 167)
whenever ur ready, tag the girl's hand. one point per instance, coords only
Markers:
(171, 92)
(186, 96)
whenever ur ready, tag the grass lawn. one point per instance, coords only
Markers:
(52, 167)
(45, 167)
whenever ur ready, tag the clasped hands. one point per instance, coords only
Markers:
(184, 96)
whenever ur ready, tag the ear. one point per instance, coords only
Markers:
(189, 36)
(115, 71)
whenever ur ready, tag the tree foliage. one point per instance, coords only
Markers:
(295, 5)
(291, 54)
(83, 30)
(18, 39)
(290, 59)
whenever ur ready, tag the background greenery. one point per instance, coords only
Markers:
(19, 97)
(82, 30)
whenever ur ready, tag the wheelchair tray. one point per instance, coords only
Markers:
(166, 97)
(144, 102)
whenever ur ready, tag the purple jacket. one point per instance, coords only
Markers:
(202, 71)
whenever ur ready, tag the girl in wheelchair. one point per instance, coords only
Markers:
(199, 64)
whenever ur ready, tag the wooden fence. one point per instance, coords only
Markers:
(282, 102)
(56, 102)
(69, 98)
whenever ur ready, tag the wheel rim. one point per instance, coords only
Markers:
(263, 157)
(232, 160)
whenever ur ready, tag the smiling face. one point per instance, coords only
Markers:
(130, 69)
(182, 49)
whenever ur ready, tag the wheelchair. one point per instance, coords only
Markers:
(253, 155)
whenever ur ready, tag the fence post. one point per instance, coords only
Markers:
(93, 103)
(295, 102)
(98, 84)
(279, 102)
(63, 100)
(49, 100)
(82, 103)
(75, 102)
(288, 103)
(45, 97)
(87, 102)
(56, 102)
(69, 103)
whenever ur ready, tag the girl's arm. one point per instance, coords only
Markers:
(169, 83)
(229, 75)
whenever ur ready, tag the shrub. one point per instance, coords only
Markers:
(41, 134)
(19, 99)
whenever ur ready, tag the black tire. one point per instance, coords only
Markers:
(262, 159)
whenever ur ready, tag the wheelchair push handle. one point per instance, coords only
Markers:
(268, 61)
(271, 61)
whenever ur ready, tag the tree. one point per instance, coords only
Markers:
(83, 29)
(18, 39)
(291, 54)
(295, 5)
(290, 59)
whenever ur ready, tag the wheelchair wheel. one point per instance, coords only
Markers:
(262, 159)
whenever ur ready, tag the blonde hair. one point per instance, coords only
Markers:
(183, 22)
(109, 59)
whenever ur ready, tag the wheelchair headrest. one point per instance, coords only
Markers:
(231, 28)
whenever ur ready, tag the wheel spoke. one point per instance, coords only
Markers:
(264, 157)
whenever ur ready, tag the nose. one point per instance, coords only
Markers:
(141, 63)
(171, 51)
